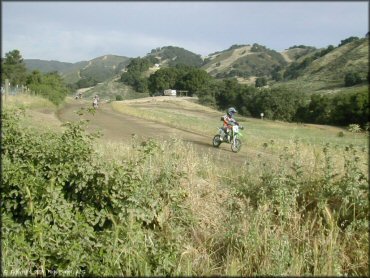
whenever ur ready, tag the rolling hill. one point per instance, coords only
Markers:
(325, 69)
(171, 56)
(351, 57)
(295, 52)
(244, 61)
(303, 66)
(46, 66)
(99, 69)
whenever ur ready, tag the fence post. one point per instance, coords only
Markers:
(6, 89)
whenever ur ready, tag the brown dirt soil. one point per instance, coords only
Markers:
(118, 127)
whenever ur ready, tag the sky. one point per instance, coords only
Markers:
(79, 31)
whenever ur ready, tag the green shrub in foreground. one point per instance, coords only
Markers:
(67, 211)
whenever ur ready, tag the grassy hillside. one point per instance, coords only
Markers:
(220, 61)
(46, 66)
(244, 61)
(99, 69)
(104, 67)
(351, 57)
(72, 74)
(326, 74)
(171, 56)
(294, 53)
(302, 67)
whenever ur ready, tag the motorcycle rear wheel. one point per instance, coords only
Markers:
(236, 145)
(216, 141)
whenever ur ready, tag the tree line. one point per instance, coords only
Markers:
(277, 103)
(49, 85)
(287, 104)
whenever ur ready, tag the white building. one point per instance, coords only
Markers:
(169, 92)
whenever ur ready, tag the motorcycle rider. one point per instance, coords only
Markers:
(95, 101)
(228, 122)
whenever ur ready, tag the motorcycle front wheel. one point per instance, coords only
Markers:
(216, 141)
(236, 145)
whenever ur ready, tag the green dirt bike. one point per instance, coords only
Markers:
(232, 138)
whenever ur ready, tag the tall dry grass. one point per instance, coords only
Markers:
(283, 217)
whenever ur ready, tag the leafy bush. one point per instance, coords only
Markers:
(67, 211)
(351, 79)
(50, 86)
(260, 82)
(340, 134)
(86, 82)
(301, 46)
(185, 78)
(348, 40)
(324, 51)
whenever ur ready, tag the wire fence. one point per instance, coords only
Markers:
(8, 90)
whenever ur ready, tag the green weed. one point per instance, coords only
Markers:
(74, 206)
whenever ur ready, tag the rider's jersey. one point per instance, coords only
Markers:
(229, 121)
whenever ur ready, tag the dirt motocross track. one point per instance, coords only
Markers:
(118, 127)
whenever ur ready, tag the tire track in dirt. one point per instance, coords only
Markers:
(119, 127)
